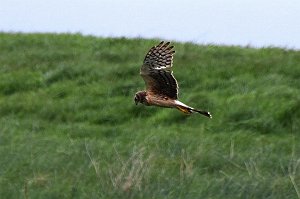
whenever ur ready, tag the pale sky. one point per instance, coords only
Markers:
(231, 22)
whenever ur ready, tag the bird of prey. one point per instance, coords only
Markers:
(161, 85)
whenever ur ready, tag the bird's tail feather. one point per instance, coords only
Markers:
(189, 110)
(205, 113)
(184, 109)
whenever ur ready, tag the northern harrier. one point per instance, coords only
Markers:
(161, 85)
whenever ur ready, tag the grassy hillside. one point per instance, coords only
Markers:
(69, 127)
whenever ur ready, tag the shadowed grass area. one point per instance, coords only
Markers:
(70, 128)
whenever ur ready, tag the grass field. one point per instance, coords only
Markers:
(69, 127)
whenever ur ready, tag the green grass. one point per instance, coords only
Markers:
(69, 127)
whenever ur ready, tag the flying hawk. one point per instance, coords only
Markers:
(161, 85)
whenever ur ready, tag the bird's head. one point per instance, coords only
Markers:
(140, 97)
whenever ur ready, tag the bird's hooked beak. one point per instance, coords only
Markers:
(136, 100)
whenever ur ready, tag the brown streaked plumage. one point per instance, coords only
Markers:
(161, 85)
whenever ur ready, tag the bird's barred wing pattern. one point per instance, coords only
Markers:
(157, 71)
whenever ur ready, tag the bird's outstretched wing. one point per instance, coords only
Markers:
(157, 71)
